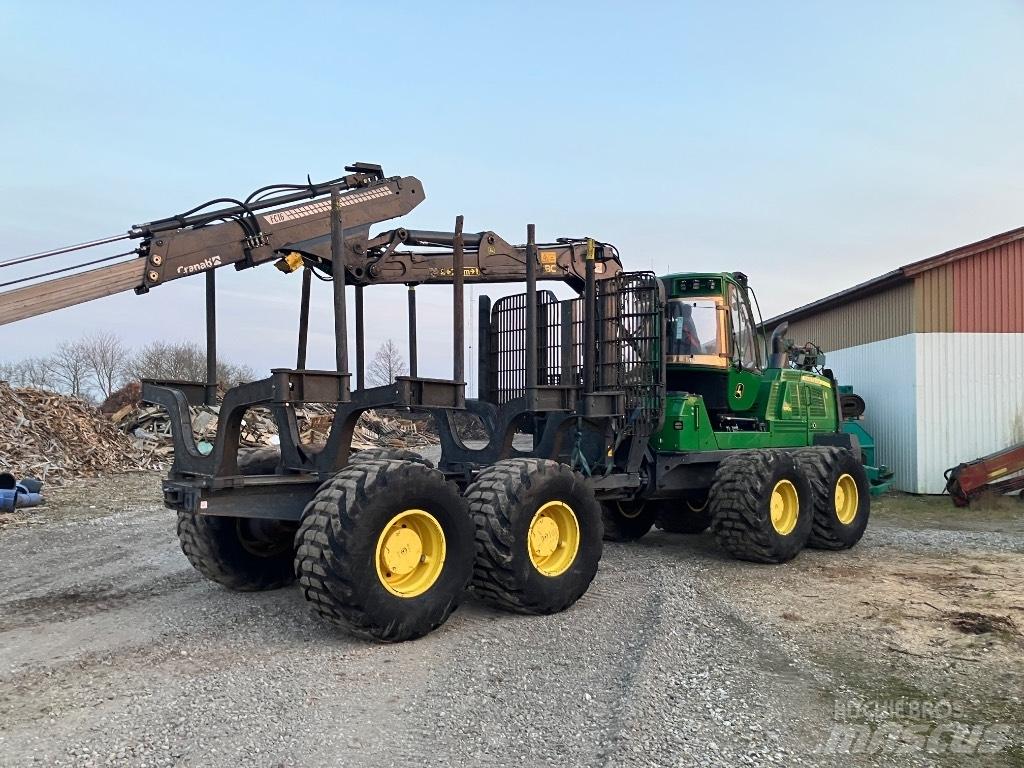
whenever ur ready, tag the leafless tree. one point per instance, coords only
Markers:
(36, 372)
(107, 361)
(387, 363)
(69, 368)
(184, 360)
(11, 373)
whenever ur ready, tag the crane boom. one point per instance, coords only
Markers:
(290, 224)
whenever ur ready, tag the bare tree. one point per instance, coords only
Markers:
(37, 372)
(387, 363)
(69, 368)
(11, 373)
(184, 360)
(107, 361)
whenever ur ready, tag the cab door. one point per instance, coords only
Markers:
(745, 363)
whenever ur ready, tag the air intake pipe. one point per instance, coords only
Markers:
(779, 357)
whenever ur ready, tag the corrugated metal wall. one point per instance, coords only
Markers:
(933, 300)
(884, 374)
(970, 399)
(988, 290)
(883, 315)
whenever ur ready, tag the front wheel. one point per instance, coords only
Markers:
(841, 496)
(761, 507)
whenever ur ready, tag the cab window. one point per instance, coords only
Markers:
(692, 327)
(743, 348)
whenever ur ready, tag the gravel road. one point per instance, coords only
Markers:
(113, 651)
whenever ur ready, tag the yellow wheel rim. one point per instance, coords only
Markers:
(629, 511)
(785, 507)
(698, 506)
(847, 499)
(410, 553)
(554, 538)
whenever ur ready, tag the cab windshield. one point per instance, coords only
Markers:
(693, 328)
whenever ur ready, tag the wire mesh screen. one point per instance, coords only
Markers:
(627, 356)
(508, 345)
(629, 344)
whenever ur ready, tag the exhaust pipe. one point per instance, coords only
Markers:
(779, 357)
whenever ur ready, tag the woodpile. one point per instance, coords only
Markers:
(150, 429)
(54, 438)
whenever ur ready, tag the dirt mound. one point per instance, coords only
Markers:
(129, 394)
(56, 438)
(974, 623)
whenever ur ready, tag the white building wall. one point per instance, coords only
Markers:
(884, 373)
(970, 399)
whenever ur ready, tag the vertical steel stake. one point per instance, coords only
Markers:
(589, 321)
(338, 271)
(360, 341)
(412, 329)
(300, 357)
(458, 309)
(211, 338)
(531, 318)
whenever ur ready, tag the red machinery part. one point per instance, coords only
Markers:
(995, 472)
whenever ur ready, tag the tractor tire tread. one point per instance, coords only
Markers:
(493, 492)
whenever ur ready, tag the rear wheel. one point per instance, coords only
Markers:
(385, 549)
(538, 535)
(388, 454)
(240, 553)
(691, 514)
(259, 461)
(840, 495)
(627, 520)
(243, 554)
(761, 508)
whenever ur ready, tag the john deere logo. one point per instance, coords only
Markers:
(739, 391)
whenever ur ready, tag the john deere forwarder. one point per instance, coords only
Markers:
(640, 400)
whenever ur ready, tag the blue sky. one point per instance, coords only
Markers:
(810, 145)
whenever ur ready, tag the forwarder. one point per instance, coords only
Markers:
(643, 400)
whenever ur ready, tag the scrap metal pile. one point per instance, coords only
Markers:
(54, 437)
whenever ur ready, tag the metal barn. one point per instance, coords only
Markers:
(936, 348)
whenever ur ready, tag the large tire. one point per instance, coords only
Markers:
(690, 514)
(761, 508)
(259, 461)
(388, 454)
(627, 520)
(242, 554)
(840, 494)
(525, 537)
(352, 522)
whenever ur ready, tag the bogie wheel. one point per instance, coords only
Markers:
(538, 535)
(761, 508)
(388, 454)
(627, 520)
(385, 549)
(691, 514)
(841, 496)
(243, 554)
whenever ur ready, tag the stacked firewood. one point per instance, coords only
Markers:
(54, 438)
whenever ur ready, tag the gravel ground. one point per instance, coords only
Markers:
(113, 651)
